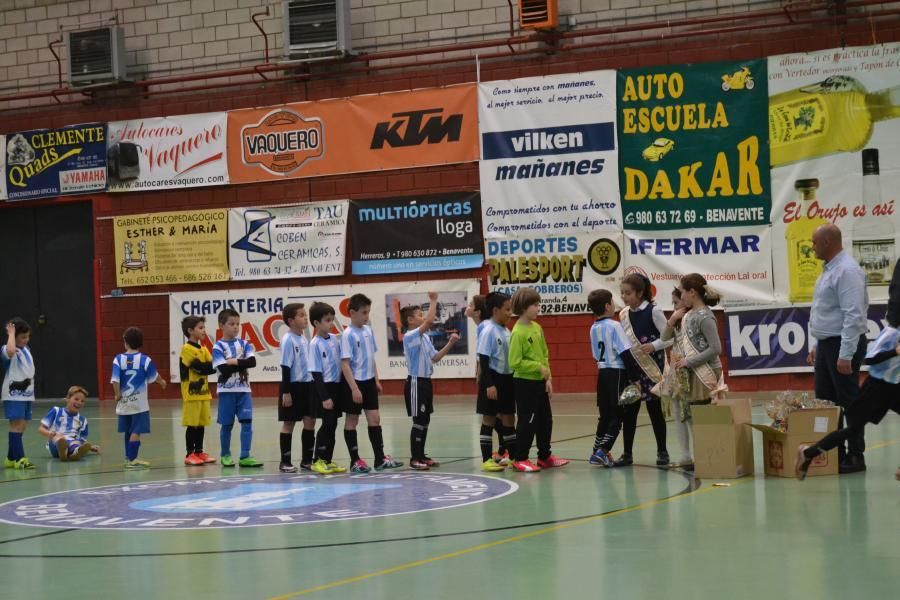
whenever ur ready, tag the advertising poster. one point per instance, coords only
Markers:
(2, 167)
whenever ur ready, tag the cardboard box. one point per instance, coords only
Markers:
(805, 426)
(723, 440)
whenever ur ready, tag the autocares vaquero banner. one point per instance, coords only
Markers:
(416, 233)
(306, 240)
(397, 130)
(262, 324)
(167, 153)
(769, 340)
(692, 145)
(549, 164)
(171, 248)
(563, 269)
(53, 162)
(834, 128)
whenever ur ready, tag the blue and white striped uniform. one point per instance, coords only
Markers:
(73, 427)
(325, 357)
(608, 341)
(480, 328)
(888, 370)
(224, 350)
(358, 345)
(295, 356)
(493, 342)
(18, 383)
(419, 350)
(134, 372)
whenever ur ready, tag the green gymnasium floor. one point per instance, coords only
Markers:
(577, 532)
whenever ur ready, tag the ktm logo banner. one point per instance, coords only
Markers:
(350, 135)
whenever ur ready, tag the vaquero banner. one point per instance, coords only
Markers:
(834, 129)
(171, 248)
(262, 325)
(398, 130)
(563, 269)
(416, 233)
(167, 152)
(735, 262)
(692, 146)
(549, 164)
(53, 162)
(306, 240)
(763, 341)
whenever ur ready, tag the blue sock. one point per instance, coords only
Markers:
(225, 439)
(16, 449)
(246, 438)
(127, 436)
(20, 444)
(131, 451)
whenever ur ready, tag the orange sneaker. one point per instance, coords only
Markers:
(525, 466)
(552, 461)
(206, 458)
(192, 460)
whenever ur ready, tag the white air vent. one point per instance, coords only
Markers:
(314, 28)
(96, 56)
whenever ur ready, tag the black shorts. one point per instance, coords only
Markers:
(335, 392)
(301, 396)
(610, 385)
(876, 398)
(419, 396)
(505, 404)
(369, 393)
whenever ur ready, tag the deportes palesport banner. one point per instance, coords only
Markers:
(262, 325)
(167, 152)
(307, 240)
(564, 269)
(416, 233)
(834, 129)
(736, 262)
(777, 340)
(692, 146)
(54, 162)
(548, 155)
(397, 130)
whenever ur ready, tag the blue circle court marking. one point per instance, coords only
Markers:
(264, 500)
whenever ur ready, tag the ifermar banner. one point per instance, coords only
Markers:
(834, 133)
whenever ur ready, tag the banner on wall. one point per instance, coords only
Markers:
(171, 248)
(262, 325)
(692, 146)
(548, 155)
(416, 233)
(834, 128)
(54, 162)
(307, 240)
(2, 167)
(777, 340)
(564, 270)
(167, 153)
(737, 264)
(397, 130)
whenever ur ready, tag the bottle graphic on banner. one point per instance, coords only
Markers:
(803, 266)
(874, 244)
(836, 115)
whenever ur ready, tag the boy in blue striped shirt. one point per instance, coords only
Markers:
(496, 398)
(18, 390)
(296, 390)
(477, 311)
(358, 350)
(328, 390)
(66, 430)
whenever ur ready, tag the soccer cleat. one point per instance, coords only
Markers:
(226, 460)
(624, 461)
(62, 448)
(801, 465)
(336, 468)
(525, 466)
(321, 467)
(134, 465)
(143, 463)
(192, 460)
(306, 466)
(82, 450)
(431, 462)
(501, 458)
(419, 465)
(249, 461)
(24, 464)
(492, 466)
(360, 466)
(287, 468)
(9, 464)
(388, 463)
(551, 462)
(662, 459)
(206, 458)
(601, 457)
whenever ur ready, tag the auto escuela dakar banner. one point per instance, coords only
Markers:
(52, 162)
(262, 324)
(693, 146)
(777, 340)
(397, 130)
(548, 155)
(306, 240)
(413, 234)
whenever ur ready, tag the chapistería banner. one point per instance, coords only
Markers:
(549, 164)
(692, 146)
(262, 324)
(167, 153)
(398, 130)
(834, 128)
(417, 233)
(53, 162)
(564, 269)
(307, 240)
(171, 247)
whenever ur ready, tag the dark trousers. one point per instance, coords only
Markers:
(843, 390)
(610, 384)
(875, 399)
(534, 418)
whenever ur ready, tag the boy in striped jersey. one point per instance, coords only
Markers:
(66, 430)
(18, 390)
(296, 390)
(420, 358)
(477, 311)
(358, 350)
(328, 391)
(496, 400)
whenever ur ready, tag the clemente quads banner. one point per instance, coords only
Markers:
(776, 340)
(416, 233)
(52, 162)
(692, 146)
